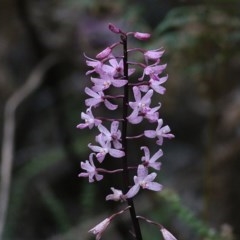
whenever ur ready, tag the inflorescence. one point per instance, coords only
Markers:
(133, 95)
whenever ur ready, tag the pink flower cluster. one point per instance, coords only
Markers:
(112, 77)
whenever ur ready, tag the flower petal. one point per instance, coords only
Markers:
(157, 88)
(150, 133)
(160, 141)
(146, 156)
(157, 155)
(103, 130)
(91, 93)
(132, 191)
(119, 83)
(116, 153)
(82, 125)
(150, 177)
(155, 165)
(134, 114)
(154, 186)
(101, 156)
(136, 120)
(147, 97)
(137, 94)
(92, 102)
(117, 144)
(142, 171)
(114, 126)
(98, 177)
(109, 105)
(160, 123)
(94, 148)
(165, 129)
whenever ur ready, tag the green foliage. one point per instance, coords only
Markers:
(180, 17)
(192, 22)
(201, 42)
(186, 216)
(166, 207)
(21, 183)
(87, 201)
(55, 207)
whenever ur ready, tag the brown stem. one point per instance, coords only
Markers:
(126, 182)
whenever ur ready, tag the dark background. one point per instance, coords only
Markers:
(201, 166)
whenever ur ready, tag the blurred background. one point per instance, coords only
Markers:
(42, 77)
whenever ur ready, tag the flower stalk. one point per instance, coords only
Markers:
(126, 182)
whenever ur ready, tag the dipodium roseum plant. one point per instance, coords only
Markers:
(116, 85)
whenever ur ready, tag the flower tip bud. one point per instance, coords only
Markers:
(167, 235)
(100, 228)
(113, 28)
(104, 53)
(142, 36)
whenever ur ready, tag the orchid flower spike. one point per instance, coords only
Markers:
(114, 85)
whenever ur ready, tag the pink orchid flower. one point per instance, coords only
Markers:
(95, 64)
(104, 149)
(153, 71)
(160, 132)
(114, 135)
(156, 84)
(141, 107)
(151, 161)
(101, 84)
(117, 195)
(91, 171)
(115, 68)
(97, 98)
(90, 121)
(143, 180)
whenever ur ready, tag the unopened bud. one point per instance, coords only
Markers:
(153, 54)
(105, 53)
(167, 235)
(100, 228)
(113, 28)
(142, 36)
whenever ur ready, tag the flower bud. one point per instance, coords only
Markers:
(113, 28)
(153, 54)
(100, 228)
(105, 53)
(167, 235)
(142, 36)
